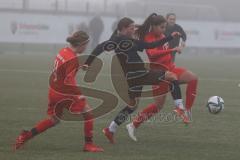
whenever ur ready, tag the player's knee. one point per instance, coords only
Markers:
(170, 76)
(193, 77)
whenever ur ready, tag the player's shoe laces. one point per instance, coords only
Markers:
(130, 128)
(21, 139)
(108, 134)
(181, 114)
(90, 147)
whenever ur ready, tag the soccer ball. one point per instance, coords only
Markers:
(215, 104)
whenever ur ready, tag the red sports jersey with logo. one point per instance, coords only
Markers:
(63, 83)
(162, 55)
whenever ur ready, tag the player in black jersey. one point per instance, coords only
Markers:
(126, 48)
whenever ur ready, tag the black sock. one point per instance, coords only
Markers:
(123, 115)
(88, 139)
(176, 90)
(34, 132)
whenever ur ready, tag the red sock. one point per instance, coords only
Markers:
(191, 92)
(42, 126)
(88, 127)
(145, 115)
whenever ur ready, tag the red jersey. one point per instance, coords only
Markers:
(66, 66)
(63, 84)
(161, 54)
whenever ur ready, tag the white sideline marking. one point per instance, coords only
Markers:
(48, 72)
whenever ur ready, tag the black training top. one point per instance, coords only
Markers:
(176, 28)
(127, 51)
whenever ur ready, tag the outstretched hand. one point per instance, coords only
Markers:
(178, 49)
(176, 34)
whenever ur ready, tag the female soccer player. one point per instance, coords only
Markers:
(125, 35)
(65, 68)
(152, 30)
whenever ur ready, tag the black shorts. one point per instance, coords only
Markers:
(136, 81)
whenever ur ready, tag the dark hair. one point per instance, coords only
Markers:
(78, 38)
(152, 20)
(170, 14)
(123, 23)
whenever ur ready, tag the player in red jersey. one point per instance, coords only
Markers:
(65, 68)
(152, 30)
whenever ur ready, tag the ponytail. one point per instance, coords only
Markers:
(145, 27)
(152, 20)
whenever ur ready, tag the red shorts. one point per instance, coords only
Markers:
(56, 103)
(164, 87)
(178, 71)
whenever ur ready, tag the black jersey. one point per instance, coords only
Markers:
(126, 50)
(176, 28)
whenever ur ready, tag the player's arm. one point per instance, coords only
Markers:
(183, 33)
(150, 45)
(96, 52)
(158, 53)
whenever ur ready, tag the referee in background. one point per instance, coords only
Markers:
(173, 27)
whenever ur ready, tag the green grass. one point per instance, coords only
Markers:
(23, 102)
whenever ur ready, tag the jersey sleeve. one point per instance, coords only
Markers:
(183, 33)
(96, 52)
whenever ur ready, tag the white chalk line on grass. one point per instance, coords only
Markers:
(105, 75)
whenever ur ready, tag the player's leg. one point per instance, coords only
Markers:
(145, 114)
(39, 128)
(187, 77)
(191, 90)
(192, 82)
(43, 125)
(161, 89)
(134, 91)
(177, 96)
(169, 77)
(88, 131)
(121, 117)
(159, 94)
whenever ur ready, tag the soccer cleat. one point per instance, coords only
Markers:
(90, 147)
(181, 114)
(108, 134)
(130, 128)
(21, 139)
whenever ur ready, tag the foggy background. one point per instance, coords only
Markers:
(203, 14)
(223, 10)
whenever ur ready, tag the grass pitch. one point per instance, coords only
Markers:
(23, 102)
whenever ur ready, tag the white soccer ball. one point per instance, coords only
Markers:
(215, 104)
